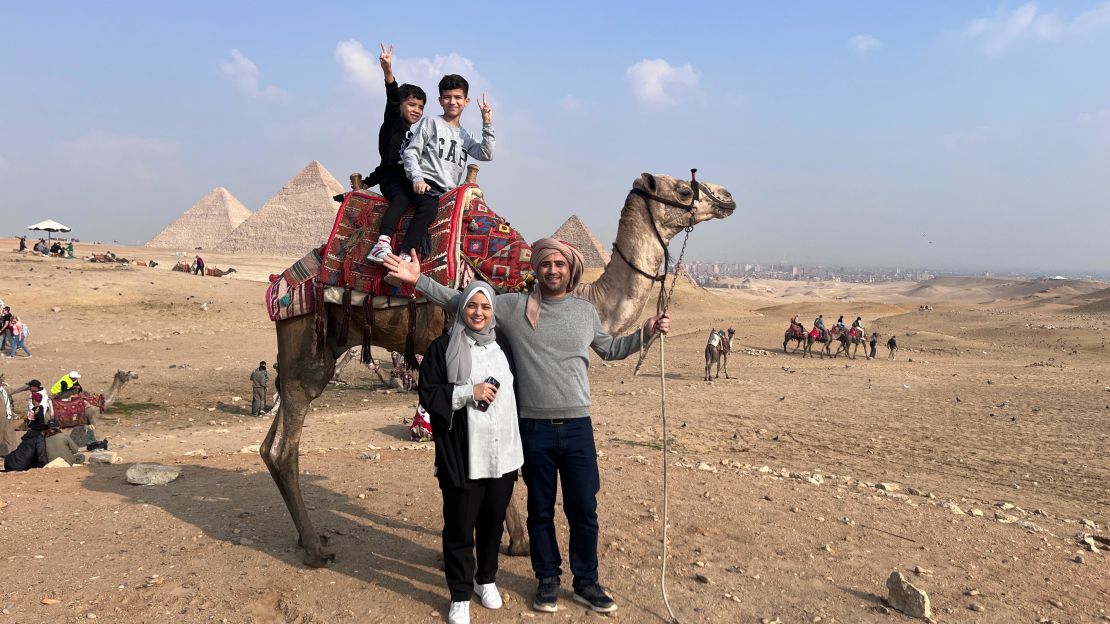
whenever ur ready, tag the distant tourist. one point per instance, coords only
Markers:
(23, 243)
(19, 332)
(260, 378)
(874, 341)
(819, 325)
(892, 345)
(198, 266)
(5, 328)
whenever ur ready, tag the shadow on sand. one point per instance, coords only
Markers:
(376, 549)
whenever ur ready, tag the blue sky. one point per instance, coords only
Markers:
(972, 135)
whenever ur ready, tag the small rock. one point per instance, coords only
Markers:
(701, 578)
(55, 309)
(1004, 518)
(904, 596)
(954, 508)
(888, 487)
(975, 606)
(1056, 603)
(1080, 559)
(706, 467)
(50, 601)
(978, 513)
(920, 571)
(972, 592)
(105, 457)
(57, 462)
(152, 474)
(251, 448)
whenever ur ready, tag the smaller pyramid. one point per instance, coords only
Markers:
(204, 225)
(297, 219)
(576, 233)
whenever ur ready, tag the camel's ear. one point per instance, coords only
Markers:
(648, 181)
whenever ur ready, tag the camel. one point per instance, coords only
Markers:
(855, 341)
(719, 353)
(79, 411)
(182, 267)
(796, 336)
(655, 210)
(833, 336)
(217, 272)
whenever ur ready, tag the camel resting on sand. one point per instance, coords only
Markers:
(655, 211)
(79, 412)
(217, 272)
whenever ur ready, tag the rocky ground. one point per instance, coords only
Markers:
(975, 464)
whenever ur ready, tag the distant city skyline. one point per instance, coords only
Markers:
(971, 135)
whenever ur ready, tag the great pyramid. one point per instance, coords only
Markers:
(292, 222)
(576, 233)
(204, 225)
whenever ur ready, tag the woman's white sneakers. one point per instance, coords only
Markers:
(460, 613)
(488, 594)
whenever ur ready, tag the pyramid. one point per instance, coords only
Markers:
(292, 222)
(576, 233)
(204, 225)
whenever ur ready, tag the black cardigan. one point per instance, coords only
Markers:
(449, 429)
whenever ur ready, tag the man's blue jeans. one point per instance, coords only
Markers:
(563, 449)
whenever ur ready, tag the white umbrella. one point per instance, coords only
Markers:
(49, 226)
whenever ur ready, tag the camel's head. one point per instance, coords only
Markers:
(675, 204)
(123, 376)
(229, 270)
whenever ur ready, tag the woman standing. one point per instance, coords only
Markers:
(466, 385)
(19, 337)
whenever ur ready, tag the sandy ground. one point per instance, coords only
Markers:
(999, 398)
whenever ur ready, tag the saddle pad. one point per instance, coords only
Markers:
(468, 240)
(71, 412)
(285, 300)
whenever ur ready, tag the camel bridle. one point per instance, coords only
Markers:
(696, 189)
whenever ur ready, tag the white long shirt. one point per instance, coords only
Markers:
(493, 435)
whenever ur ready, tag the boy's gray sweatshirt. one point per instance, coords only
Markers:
(552, 361)
(437, 152)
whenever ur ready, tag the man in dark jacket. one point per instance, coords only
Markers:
(260, 378)
(31, 452)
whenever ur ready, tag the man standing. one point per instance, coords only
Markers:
(260, 378)
(550, 333)
(198, 266)
(5, 328)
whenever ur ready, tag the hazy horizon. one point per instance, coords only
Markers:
(969, 135)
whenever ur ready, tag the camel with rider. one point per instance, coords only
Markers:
(717, 350)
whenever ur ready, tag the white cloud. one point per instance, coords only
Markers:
(243, 73)
(1100, 118)
(863, 44)
(361, 68)
(998, 33)
(570, 103)
(656, 83)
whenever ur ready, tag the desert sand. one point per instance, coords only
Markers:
(971, 463)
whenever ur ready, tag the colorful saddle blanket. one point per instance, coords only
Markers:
(293, 292)
(71, 412)
(468, 241)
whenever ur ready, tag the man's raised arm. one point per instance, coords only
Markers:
(409, 273)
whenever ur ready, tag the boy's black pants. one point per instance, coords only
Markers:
(424, 209)
(473, 522)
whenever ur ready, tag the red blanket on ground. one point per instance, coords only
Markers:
(468, 241)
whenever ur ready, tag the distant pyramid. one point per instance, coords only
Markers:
(576, 233)
(204, 225)
(294, 221)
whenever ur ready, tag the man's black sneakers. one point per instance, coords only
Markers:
(595, 597)
(547, 595)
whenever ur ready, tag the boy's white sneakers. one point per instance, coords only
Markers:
(379, 251)
(489, 595)
(459, 613)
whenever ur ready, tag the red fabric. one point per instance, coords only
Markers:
(421, 428)
(70, 412)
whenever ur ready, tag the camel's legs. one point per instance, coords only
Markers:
(304, 375)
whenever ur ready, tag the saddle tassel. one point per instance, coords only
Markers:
(368, 317)
(410, 337)
(345, 324)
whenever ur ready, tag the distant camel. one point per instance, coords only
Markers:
(715, 354)
(855, 340)
(217, 272)
(797, 333)
(833, 336)
(182, 267)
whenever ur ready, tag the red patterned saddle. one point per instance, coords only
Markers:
(468, 241)
(70, 412)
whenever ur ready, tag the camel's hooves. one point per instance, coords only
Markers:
(319, 560)
(518, 550)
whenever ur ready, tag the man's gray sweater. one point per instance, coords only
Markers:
(552, 361)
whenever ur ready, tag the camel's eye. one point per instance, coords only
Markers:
(684, 191)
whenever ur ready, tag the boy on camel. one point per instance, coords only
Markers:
(436, 155)
(404, 106)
